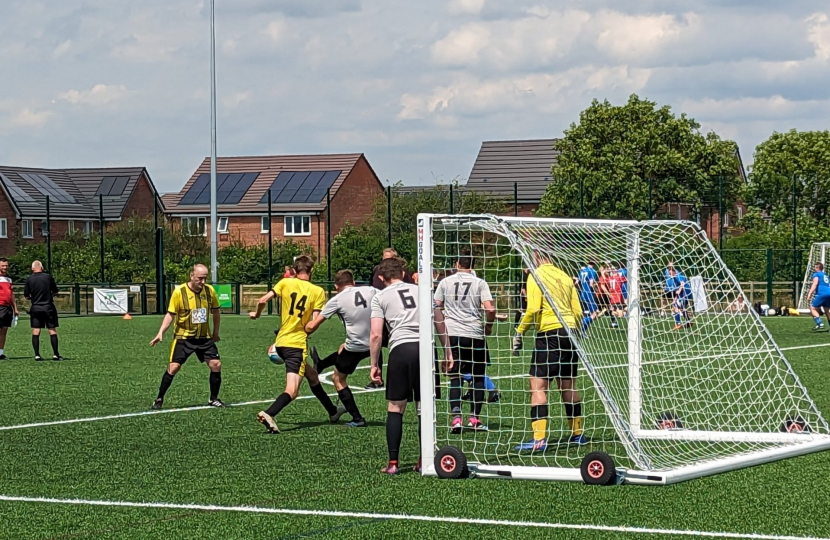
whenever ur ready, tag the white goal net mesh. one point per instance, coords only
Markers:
(663, 383)
(819, 253)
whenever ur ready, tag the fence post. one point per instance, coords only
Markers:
(452, 205)
(144, 299)
(650, 209)
(238, 298)
(270, 253)
(581, 199)
(515, 198)
(328, 232)
(795, 243)
(388, 216)
(48, 237)
(101, 231)
(769, 276)
(77, 299)
(720, 213)
(159, 270)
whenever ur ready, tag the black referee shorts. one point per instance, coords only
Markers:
(469, 355)
(403, 377)
(204, 349)
(43, 317)
(554, 356)
(347, 361)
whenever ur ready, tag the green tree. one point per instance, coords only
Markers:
(614, 152)
(795, 157)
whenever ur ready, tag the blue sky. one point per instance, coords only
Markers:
(416, 86)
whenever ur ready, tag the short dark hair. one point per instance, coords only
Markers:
(390, 269)
(818, 265)
(3, 259)
(303, 265)
(344, 277)
(465, 262)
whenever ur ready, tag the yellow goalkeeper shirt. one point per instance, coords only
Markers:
(560, 287)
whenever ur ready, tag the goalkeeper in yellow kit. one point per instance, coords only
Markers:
(554, 356)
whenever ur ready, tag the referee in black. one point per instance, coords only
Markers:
(40, 289)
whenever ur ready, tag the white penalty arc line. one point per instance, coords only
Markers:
(406, 517)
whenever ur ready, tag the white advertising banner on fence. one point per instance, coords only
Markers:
(110, 301)
(699, 294)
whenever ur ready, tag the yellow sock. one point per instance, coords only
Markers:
(540, 428)
(576, 425)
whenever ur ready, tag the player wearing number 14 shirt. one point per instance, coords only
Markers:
(300, 302)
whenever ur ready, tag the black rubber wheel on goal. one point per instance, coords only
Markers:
(598, 469)
(795, 424)
(669, 420)
(450, 462)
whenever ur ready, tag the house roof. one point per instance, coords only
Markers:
(254, 175)
(73, 193)
(501, 164)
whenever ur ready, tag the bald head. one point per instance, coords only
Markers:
(37, 266)
(198, 277)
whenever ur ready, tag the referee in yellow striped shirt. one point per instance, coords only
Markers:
(554, 356)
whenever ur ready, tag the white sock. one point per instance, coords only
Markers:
(1, 352)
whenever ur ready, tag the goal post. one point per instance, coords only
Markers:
(819, 253)
(671, 385)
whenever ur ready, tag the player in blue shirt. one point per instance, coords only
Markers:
(670, 288)
(588, 281)
(682, 295)
(821, 300)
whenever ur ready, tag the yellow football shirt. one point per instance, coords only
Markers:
(192, 311)
(561, 288)
(299, 299)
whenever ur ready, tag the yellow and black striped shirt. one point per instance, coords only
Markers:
(192, 311)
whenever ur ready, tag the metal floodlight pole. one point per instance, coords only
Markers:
(214, 265)
(101, 232)
(270, 252)
(48, 237)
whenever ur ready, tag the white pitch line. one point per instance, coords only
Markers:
(406, 517)
(805, 347)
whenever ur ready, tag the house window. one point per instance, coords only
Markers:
(297, 225)
(726, 220)
(28, 229)
(70, 228)
(89, 228)
(223, 225)
(4, 232)
(194, 226)
(44, 228)
(265, 225)
(740, 213)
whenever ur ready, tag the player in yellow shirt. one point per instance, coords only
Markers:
(300, 302)
(554, 356)
(189, 306)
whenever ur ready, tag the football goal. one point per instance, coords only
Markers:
(673, 385)
(819, 253)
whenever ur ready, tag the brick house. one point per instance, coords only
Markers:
(75, 197)
(299, 187)
(522, 169)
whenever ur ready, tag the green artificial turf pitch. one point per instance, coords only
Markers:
(224, 458)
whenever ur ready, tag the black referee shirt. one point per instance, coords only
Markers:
(40, 288)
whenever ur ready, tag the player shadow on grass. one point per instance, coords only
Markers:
(318, 423)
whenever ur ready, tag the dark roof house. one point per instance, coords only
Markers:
(504, 166)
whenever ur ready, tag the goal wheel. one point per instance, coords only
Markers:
(669, 420)
(450, 462)
(795, 424)
(598, 469)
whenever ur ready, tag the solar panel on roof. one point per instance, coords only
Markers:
(224, 189)
(204, 196)
(277, 186)
(308, 186)
(240, 189)
(46, 186)
(195, 189)
(291, 187)
(119, 186)
(106, 186)
(325, 183)
(14, 190)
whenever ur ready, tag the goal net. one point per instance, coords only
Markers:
(819, 253)
(669, 393)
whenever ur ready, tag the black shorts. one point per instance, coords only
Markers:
(347, 360)
(669, 294)
(6, 316)
(469, 355)
(294, 358)
(403, 377)
(204, 349)
(554, 356)
(43, 317)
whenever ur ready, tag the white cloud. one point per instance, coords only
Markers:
(236, 99)
(61, 49)
(819, 35)
(276, 29)
(26, 117)
(461, 46)
(629, 37)
(100, 94)
(465, 6)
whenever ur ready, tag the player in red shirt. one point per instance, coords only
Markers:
(8, 307)
(614, 285)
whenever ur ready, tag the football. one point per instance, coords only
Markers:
(273, 356)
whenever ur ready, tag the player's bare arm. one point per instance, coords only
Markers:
(165, 324)
(315, 323)
(489, 317)
(441, 330)
(261, 305)
(375, 343)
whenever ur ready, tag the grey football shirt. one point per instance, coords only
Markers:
(354, 307)
(463, 295)
(398, 305)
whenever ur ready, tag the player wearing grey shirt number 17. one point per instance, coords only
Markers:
(353, 305)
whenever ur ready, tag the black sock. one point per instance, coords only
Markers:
(215, 383)
(36, 344)
(394, 433)
(478, 394)
(278, 404)
(166, 381)
(347, 399)
(540, 412)
(455, 396)
(53, 339)
(573, 410)
(437, 367)
(327, 362)
(320, 393)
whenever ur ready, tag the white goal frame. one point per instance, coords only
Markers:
(633, 431)
(819, 252)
